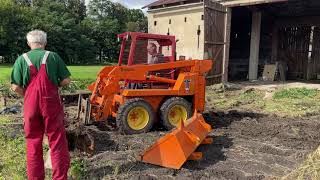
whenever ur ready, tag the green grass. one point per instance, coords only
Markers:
(5, 71)
(295, 93)
(294, 102)
(77, 72)
(230, 99)
(4, 119)
(84, 72)
(81, 77)
(13, 156)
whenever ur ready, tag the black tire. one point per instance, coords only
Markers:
(124, 110)
(170, 103)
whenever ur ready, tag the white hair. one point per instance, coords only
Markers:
(37, 36)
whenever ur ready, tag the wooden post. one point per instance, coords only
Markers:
(227, 45)
(255, 45)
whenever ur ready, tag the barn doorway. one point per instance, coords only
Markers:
(239, 43)
(290, 35)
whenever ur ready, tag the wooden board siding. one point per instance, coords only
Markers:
(293, 49)
(214, 38)
(315, 63)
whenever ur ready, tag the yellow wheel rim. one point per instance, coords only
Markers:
(176, 114)
(138, 118)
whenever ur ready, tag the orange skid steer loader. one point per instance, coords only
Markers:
(138, 94)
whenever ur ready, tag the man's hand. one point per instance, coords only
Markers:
(18, 89)
(65, 82)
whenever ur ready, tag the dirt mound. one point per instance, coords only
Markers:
(246, 146)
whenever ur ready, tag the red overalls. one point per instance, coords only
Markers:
(43, 113)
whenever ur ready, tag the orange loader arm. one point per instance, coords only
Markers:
(107, 84)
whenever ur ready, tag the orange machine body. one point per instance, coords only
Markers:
(109, 91)
(137, 94)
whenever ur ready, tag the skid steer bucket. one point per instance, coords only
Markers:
(175, 148)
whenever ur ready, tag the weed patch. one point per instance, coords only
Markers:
(12, 159)
(295, 93)
(78, 169)
(77, 85)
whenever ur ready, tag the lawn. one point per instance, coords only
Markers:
(84, 72)
(77, 72)
(5, 71)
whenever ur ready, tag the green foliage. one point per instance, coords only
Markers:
(78, 37)
(137, 21)
(78, 169)
(81, 84)
(14, 24)
(295, 93)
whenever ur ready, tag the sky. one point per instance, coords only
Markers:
(132, 4)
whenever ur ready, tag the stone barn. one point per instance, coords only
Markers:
(243, 36)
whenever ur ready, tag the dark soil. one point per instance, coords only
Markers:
(246, 146)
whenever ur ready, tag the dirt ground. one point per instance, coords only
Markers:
(246, 145)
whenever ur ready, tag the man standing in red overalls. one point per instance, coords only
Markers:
(37, 75)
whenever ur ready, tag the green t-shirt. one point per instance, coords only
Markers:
(56, 68)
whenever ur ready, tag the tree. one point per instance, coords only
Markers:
(136, 21)
(103, 33)
(14, 24)
(76, 36)
(108, 19)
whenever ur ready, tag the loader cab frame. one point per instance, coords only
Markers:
(130, 41)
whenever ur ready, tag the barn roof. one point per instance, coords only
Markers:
(229, 3)
(163, 2)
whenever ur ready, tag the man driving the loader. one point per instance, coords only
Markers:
(154, 57)
(36, 75)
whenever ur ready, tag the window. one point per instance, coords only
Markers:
(169, 21)
(155, 23)
(185, 19)
(202, 17)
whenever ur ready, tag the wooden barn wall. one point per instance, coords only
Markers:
(294, 49)
(316, 52)
(298, 46)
